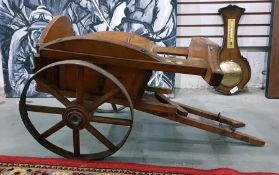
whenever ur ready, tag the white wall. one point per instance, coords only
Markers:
(256, 54)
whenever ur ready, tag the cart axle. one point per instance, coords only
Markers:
(75, 119)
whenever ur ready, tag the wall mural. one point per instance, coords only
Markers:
(22, 21)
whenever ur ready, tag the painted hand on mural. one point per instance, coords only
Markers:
(19, 56)
(22, 50)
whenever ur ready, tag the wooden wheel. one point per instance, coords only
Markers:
(77, 116)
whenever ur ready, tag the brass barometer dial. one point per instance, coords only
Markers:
(232, 73)
(236, 68)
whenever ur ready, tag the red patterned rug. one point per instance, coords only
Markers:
(47, 166)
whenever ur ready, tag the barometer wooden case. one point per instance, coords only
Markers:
(237, 71)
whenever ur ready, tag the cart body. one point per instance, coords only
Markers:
(114, 67)
(130, 58)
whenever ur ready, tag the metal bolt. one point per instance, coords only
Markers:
(142, 50)
(75, 119)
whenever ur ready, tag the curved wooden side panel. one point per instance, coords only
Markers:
(97, 51)
(208, 50)
(124, 37)
(58, 27)
(102, 47)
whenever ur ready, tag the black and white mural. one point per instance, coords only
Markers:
(22, 21)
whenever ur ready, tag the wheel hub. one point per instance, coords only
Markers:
(76, 117)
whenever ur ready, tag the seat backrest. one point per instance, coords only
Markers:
(58, 27)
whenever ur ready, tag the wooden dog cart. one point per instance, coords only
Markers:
(114, 67)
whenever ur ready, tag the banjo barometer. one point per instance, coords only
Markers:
(237, 71)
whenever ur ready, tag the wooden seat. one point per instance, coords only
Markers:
(58, 27)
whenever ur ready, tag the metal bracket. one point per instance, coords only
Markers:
(220, 119)
(233, 129)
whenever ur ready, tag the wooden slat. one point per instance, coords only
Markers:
(247, 30)
(242, 42)
(213, 8)
(219, 25)
(255, 48)
(213, 20)
(221, 36)
(217, 14)
(222, 2)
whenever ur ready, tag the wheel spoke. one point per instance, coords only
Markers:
(80, 85)
(54, 91)
(76, 142)
(110, 111)
(101, 138)
(109, 120)
(114, 107)
(44, 109)
(103, 99)
(53, 129)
